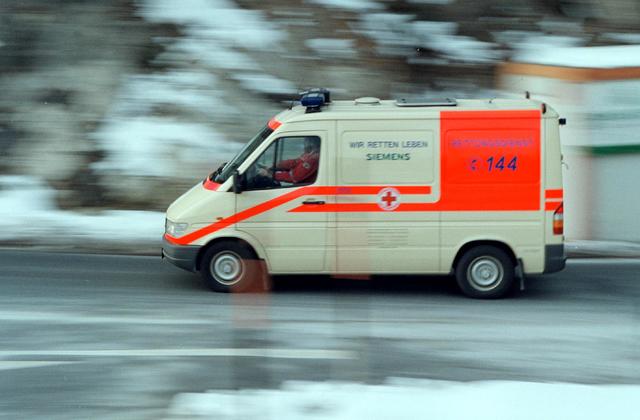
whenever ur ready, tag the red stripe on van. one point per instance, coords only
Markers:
(238, 217)
(362, 208)
(554, 193)
(285, 198)
(374, 190)
(552, 205)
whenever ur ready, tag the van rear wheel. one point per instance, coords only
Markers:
(232, 267)
(485, 272)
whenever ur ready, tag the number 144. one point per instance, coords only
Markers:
(498, 163)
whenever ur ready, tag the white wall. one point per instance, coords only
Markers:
(616, 197)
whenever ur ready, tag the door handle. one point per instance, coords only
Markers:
(312, 202)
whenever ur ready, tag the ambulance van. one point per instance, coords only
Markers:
(471, 188)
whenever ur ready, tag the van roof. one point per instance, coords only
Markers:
(371, 108)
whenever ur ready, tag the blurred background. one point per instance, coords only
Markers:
(109, 110)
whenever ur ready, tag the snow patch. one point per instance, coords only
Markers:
(415, 399)
(398, 35)
(520, 40)
(140, 94)
(588, 57)
(139, 143)
(629, 38)
(351, 5)
(207, 52)
(158, 147)
(265, 83)
(389, 32)
(214, 31)
(216, 19)
(463, 49)
(29, 212)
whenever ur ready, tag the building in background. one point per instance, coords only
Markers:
(598, 90)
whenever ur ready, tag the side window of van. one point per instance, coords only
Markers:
(288, 162)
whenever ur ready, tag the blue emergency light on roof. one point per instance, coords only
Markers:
(314, 99)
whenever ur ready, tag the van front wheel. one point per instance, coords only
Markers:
(485, 272)
(231, 267)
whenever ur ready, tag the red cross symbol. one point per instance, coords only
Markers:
(388, 199)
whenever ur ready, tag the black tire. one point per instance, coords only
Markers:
(485, 272)
(233, 267)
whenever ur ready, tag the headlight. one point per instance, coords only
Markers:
(175, 229)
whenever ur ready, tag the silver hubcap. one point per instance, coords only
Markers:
(485, 273)
(226, 268)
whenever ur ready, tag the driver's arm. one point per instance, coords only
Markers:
(302, 170)
(288, 164)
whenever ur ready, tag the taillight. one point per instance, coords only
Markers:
(558, 220)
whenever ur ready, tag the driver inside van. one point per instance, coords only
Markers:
(301, 170)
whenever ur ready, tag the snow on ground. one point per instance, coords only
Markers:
(629, 38)
(351, 5)
(529, 40)
(29, 212)
(415, 399)
(158, 147)
(588, 57)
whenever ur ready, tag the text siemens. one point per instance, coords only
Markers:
(388, 156)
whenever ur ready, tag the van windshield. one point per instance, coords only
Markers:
(222, 174)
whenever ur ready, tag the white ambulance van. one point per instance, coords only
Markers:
(471, 188)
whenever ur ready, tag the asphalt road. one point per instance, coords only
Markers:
(91, 336)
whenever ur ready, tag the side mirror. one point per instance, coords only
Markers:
(237, 182)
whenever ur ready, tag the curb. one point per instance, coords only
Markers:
(601, 249)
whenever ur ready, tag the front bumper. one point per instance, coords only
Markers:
(554, 258)
(182, 256)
